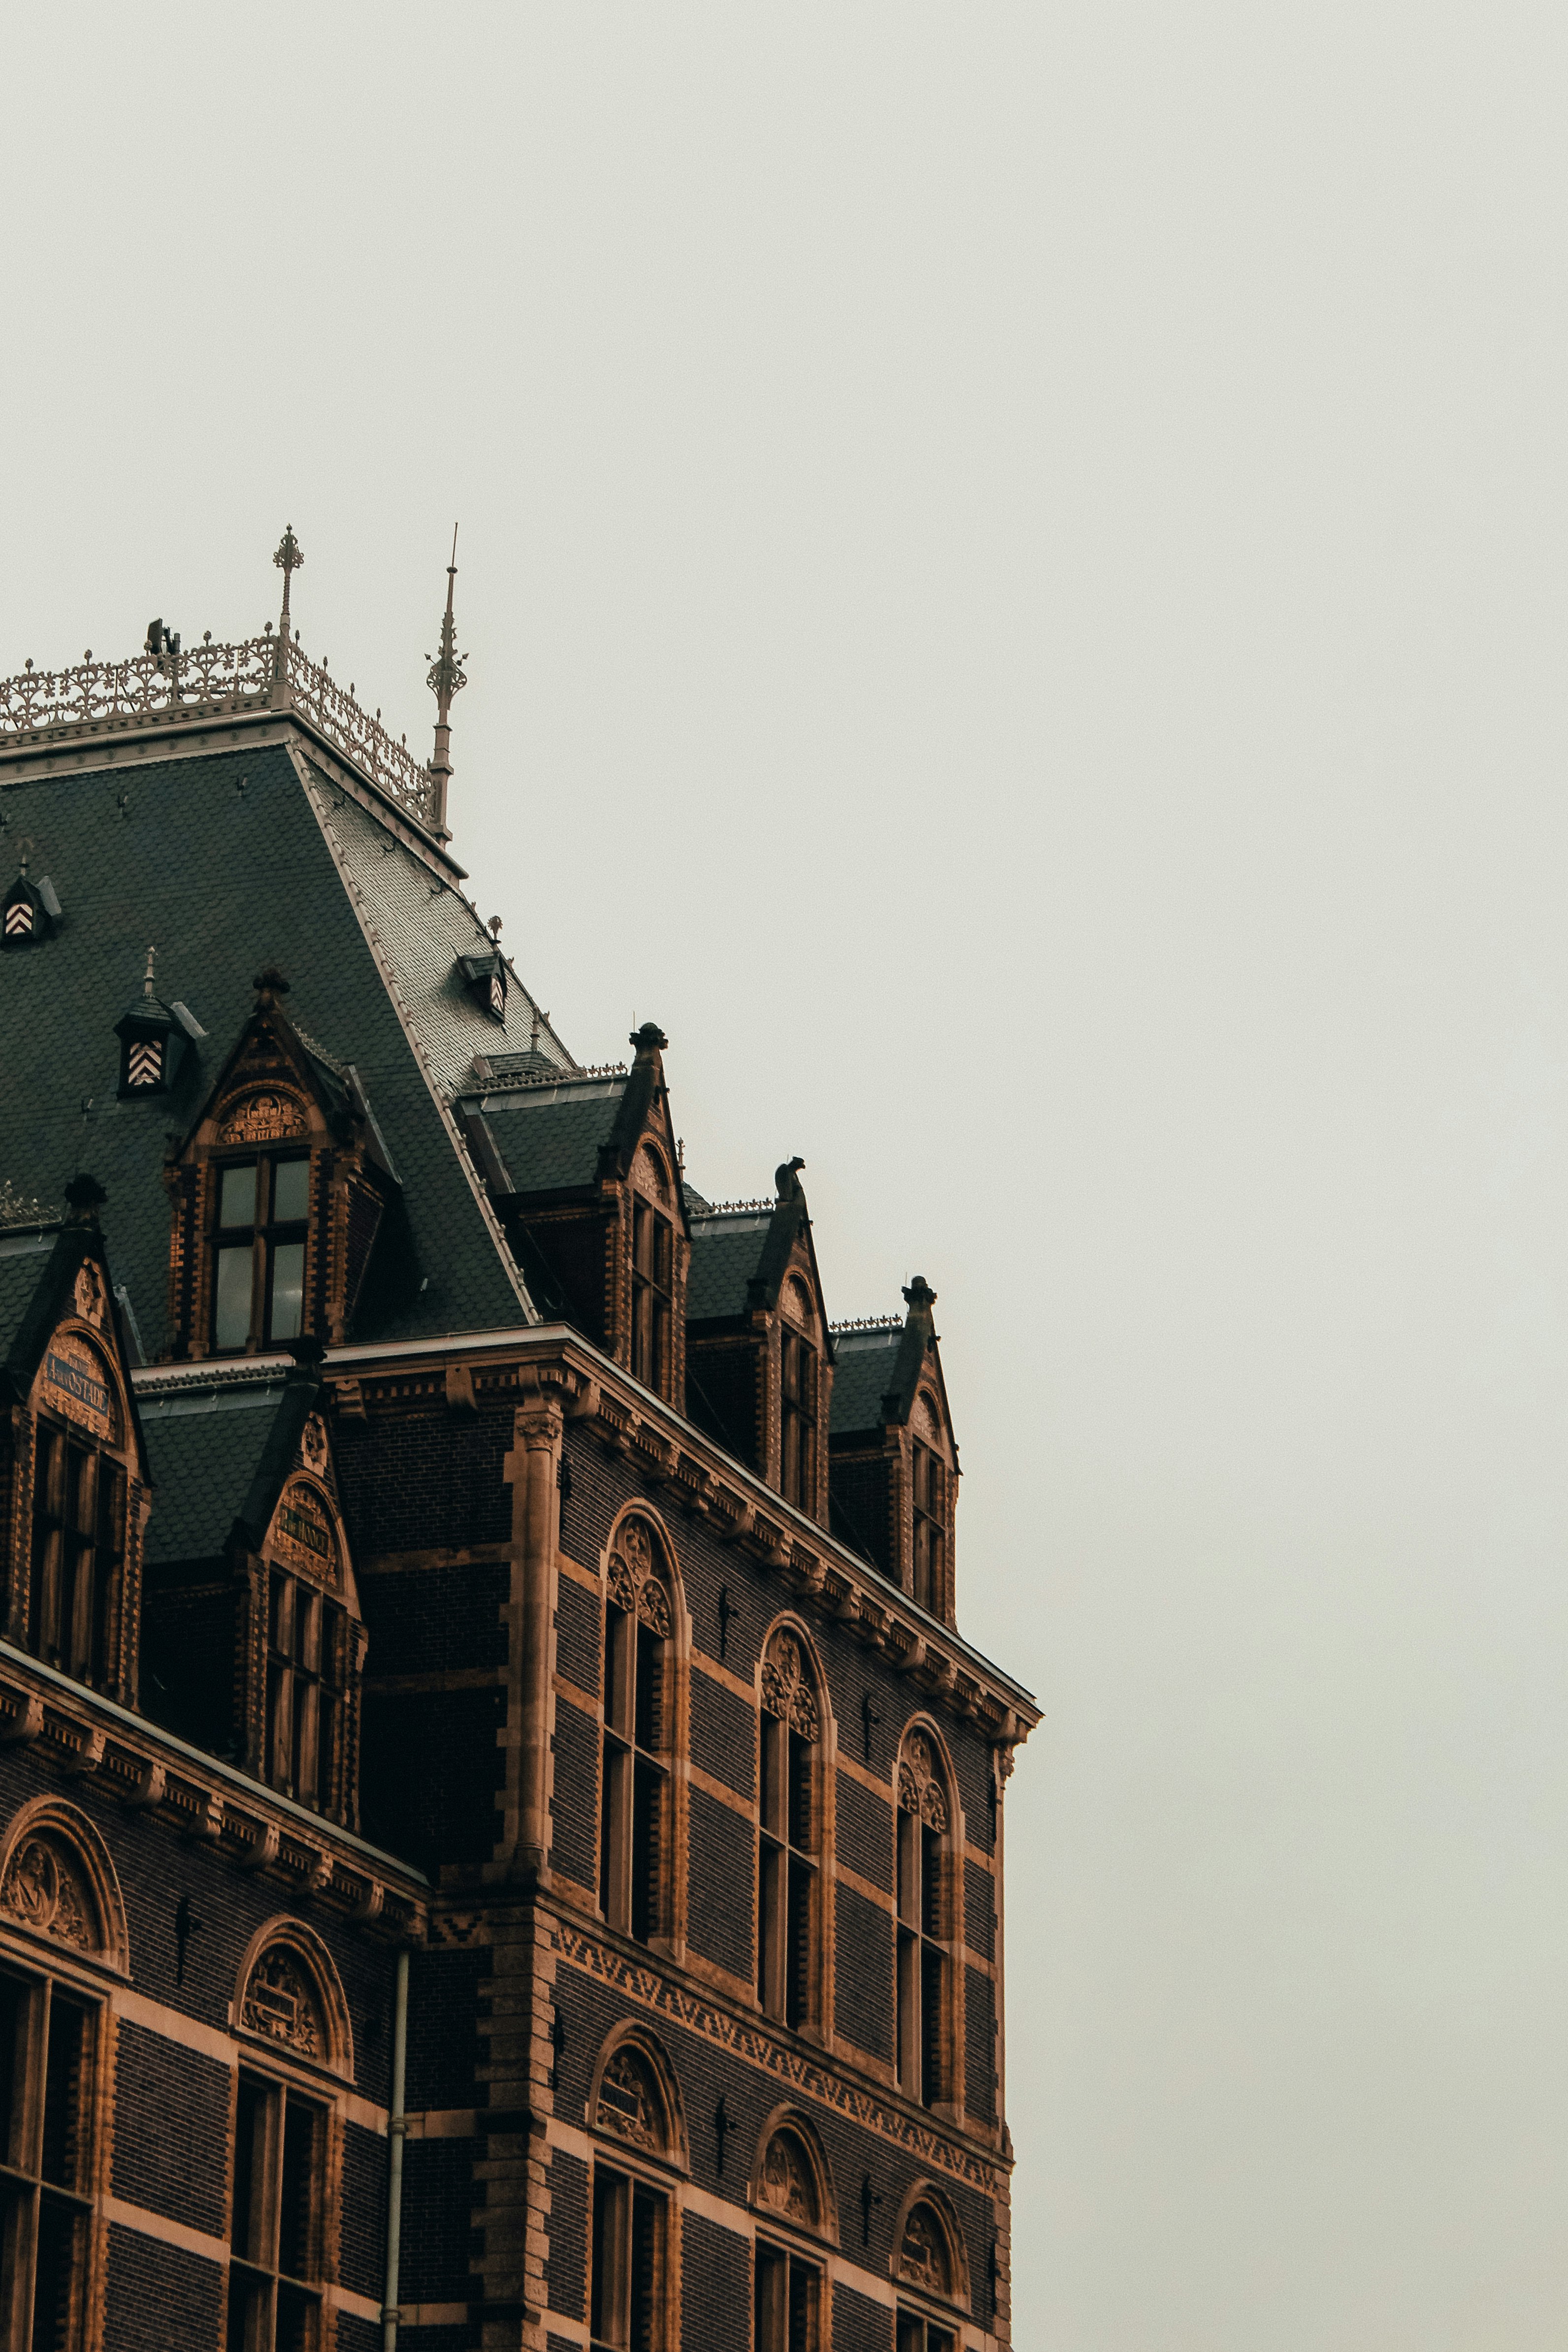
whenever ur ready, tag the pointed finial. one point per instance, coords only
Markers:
(446, 678)
(288, 559)
(270, 985)
(495, 929)
(533, 1039)
(147, 976)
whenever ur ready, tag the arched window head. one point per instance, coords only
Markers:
(789, 1842)
(635, 2105)
(928, 2060)
(928, 1480)
(283, 2003)
(45, 1888)
(798, 1376)
(786, 2183)
(653, 1272)
(635, 1808)
(925, 2257)
(629, 2103)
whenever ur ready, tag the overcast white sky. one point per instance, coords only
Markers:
(1014, 560)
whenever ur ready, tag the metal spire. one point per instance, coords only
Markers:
(288, 559)
(444, 680)
(147, 978)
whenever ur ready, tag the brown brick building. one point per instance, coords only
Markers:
(500, 1837)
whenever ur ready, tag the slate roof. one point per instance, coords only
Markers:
(548, 1137)
(864, 1370)
(24, 1262)
(204, 1448)
(222, 881)
(726, 1251)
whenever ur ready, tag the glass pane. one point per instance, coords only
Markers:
(249, 2168)
(296, 2320)
(232, 1321)
(248, 2317)
(646, 2232)
(290, 1192)
(300, 2125)
(287, 1290)
(16, 2009)
(62, 2095)
(236, 1201)
(59, 2275)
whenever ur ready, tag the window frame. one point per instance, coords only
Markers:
(928, 2060)
(74, 1606)
(308, 1694)
(928, 1559)
(652, 1266)
(636, 1772)
(27, 2193)
(789, 1872)
(785, 2262)
(612, 2279)
(265, 1235)
(261, 2275)
(800, 1377)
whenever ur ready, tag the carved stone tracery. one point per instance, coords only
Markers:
(923, 2257)
(281, 2002)
(44, 1889)
(920, 1788)
(637, 1584)
(628, 2104)
(786, 1688)
(787, 2184)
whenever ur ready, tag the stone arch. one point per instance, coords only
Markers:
(288, 1998)
(634, 2097)
(791, 2176)
(790, 1680)
(929, 2251)
(640, 1556)
(58, 1883)
(924, 1782)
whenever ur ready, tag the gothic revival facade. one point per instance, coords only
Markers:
(501, 1834)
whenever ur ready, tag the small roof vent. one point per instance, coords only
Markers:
(29, 910)
(153, 1040)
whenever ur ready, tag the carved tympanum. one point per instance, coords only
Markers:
(922, 2256)
(44, 1888)
(787, 2182)
(263, 1118)
(281, 2002)
(628, 2106)
(787, 1690)
(636, 1583)
(919, 1789)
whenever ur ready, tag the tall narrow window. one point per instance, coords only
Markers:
(918, 2335)
(929, 1527)
(653, 1277)
(926, 2064)
(634, 1786)
(788, 2294)
(78, 1554)
(306, 1654)
(275, 2268)
(47, 2042)
(258, 1249)
(630, 2230)
(788, 1836)
(797, 1419)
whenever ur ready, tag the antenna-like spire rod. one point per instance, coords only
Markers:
(444, 680)
(147, 977)
(290, 555)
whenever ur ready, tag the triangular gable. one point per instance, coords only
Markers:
(66, 1344)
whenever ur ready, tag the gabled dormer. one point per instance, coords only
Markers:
(759, 1369)
(73, 1466)
(154, 1039)
(255, 1642)
(584, 1171)
(29, 910)
(279, 1192)
(893, 1458)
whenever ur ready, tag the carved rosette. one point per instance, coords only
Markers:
(919, 1789)
(635, 1584)
(786, 2183)
(922, 2257)
(46, 1890)
(627, 2105)
(786, 1688)
(281, 2002)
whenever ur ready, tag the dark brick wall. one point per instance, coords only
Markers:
(719, 1883)
(972, 1764)
(356, 2335)
(443, 2042)
(412, 1482)
(978, 2045)
(159, 2298)
(864, 1832)
(578, 1625)
(362, 2252)
(979, 1911)
(574, 1796)
(863, 1982)
(715, 2287)
(425, 1620)
(566, 2178)
(431, 1772)
(170, 2141)
(859, 2323)
(724, 1733)
(438, 2235)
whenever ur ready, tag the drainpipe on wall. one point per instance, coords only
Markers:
(396, 2132)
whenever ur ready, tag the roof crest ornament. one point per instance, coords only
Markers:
(147, 975)
(446, 678)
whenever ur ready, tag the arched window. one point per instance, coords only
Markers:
(635, 1804)
(309, 1638)
(653, 1272)
(927, 2263)
(928, 1480)
(82, 1464)
(789, 1834)
(629, 2300)
(928, 2064)
(789, 2192)
(797, 1397)
(281, 2143)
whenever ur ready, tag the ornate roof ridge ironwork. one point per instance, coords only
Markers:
(869, 1323)
(519, 1081)
(152, 1379)
(208, 681)
(735, 1209)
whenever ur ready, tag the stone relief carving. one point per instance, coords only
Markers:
(786, 1688)
(281, 2002)
(46, 1889)
(919, 1789)
(88, 1294)
(636, 1583)
(922, 2257)
(627, 2105)
(264, 1117)
(787, 2184)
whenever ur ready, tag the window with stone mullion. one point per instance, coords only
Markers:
(919, 2335)
(930, 1533)
(797, 1420)
(634, 1777)
(262, 1226)
(788, 2301)
(922, 1962)
(653, 1264)
(275, 2265)
(47, 2045)
(788, 1873)
(629, 2241)
(78, 1554)
(306, 1672)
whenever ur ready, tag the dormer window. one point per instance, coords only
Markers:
(797, 1402)
(930, 1526)
(258, 1249)
(485, 979)
(152, 1039)
(29, 912)
(653, 1265)
(143, 1063)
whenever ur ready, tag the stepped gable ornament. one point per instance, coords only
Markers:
(786, 1689)
(280, 2003)
(919, 1789)
(627, 2105)
(635, 1584)
(922, 2257)
(786, 2183)
(44, 1891)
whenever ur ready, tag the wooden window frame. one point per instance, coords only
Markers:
(653, 1293)
(78, 1546)
(307, 1690)
(636, 1796)
(789, 1872)
(257, 2285)
(48, 2112)
(777, 2270)
(799, 1377)
(927, 2062)
(917, 2332)
(928, 1487)
(629, 2225)
(265, 1236)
